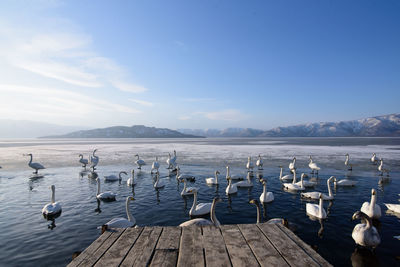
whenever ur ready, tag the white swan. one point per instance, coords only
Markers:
(372, 209)
(34, 165)
(364, 234)
(316, 195)
(212, 180)
(245, 183)
(313, 166)
(393, 207)
(266, 197)
(374, 159)
(347, 162)
(285, 178)
(231, 188)
(171, 161)
(259, 163)
(94, 160)
(249, 165)
(113, 178)
(200, 208)
(202, 221)
(292, 165)
(180, 176)
(306, 183)
(186, 190)
(108, 195)
(83, 161)
(131, 180)
(315, 210)
(344, 182)
(53, 208)
(159, 183)
(139, 162)
(122, 222)
(382, 169)
(293, 186)
(155, 165)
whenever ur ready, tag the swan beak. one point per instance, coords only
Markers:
(131, 198)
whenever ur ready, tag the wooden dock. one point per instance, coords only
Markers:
(230, 245)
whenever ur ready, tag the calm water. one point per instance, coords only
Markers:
(28, 239)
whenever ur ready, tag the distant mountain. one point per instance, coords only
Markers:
(33, 129)
(386, 125)
(136, 131)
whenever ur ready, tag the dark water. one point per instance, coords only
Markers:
(27, 239)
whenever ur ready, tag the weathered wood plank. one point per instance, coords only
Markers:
(214, 247)
(165, 258)
(90, 249)
(140, 254)
(191, 247)
(116, 253)
(262, 248)
(93, 258)
(169, 238)
(239, 251)
(286, 246)
(305, 247)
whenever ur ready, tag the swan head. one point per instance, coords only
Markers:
(303, 175)
(331, 178)
(264, 182)
(104, 228)
(254, 202)
(373, 191)
(123, 172)
(133, 172)
(217, 172)
(248, 158)
(320, 196)
(193, 190)
(80, 155)
(285, 222)
(131, 198)
(358, 215)
(52, 187)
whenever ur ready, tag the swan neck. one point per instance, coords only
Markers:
(184, 185)
(320, 207)
(373, 201)
(30, 161)
(98, 187)
(216, 177)
(212, 216)
(294, 177)
(227, 172)
(53, 195)
(329, 187)
(194, 201)
(258, 213)
(265, 189)
(280, 175)
(128, 212)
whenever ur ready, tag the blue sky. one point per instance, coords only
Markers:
(198, 64)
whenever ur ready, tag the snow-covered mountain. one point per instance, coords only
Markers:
(386, 125)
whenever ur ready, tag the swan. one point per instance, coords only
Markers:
(374, 159)
(259, 163)
(113, 178)
(131, 181)
(180, 176)
(306, 183)
(287, 177)
(249, 165)
(293, 186)
(212, 180)
(105, 195)
(347, 162)
(292, 165)
(53, 208)
(34, 165)
(94, 160)
(139, 162)
(199, 209)
(372, 209)
(231, 188)
(159, 183)
(170, 161)
(245, 183)
(315, 210)
(155, 165)
(393, 207)
(344, 182)
(255, 202)
(202, 221)
(364, 234)
(173, 159)
(313, 166)
(186, 190)
(266, 197)
(83, 161)
(316, 195)
(382, 169)
(122, 222)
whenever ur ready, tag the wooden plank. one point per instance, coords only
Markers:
(262, 248)
(93, 258)
(214, 247)
(169, 238)
(318, 258)
(140, 254)
(191, 247)
(294, 255)
(165, 258)
(239, 252)
(117, 252)
(90, 249)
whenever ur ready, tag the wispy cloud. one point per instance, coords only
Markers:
(225, 115)
(142, 102)
(128, 87)
(200, 100)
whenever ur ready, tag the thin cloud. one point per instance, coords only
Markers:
(198, 99)
(232, 115)
(128, 87)
(142, 102)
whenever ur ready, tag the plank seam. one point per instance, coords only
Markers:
(226, 249)
(154, 248)
(133, 243)
(255, 257)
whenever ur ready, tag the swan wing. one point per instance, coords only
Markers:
(197, 221)
(312, 195)
(120, 223)
(393, 207)
(202, 208)
(51, 208)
